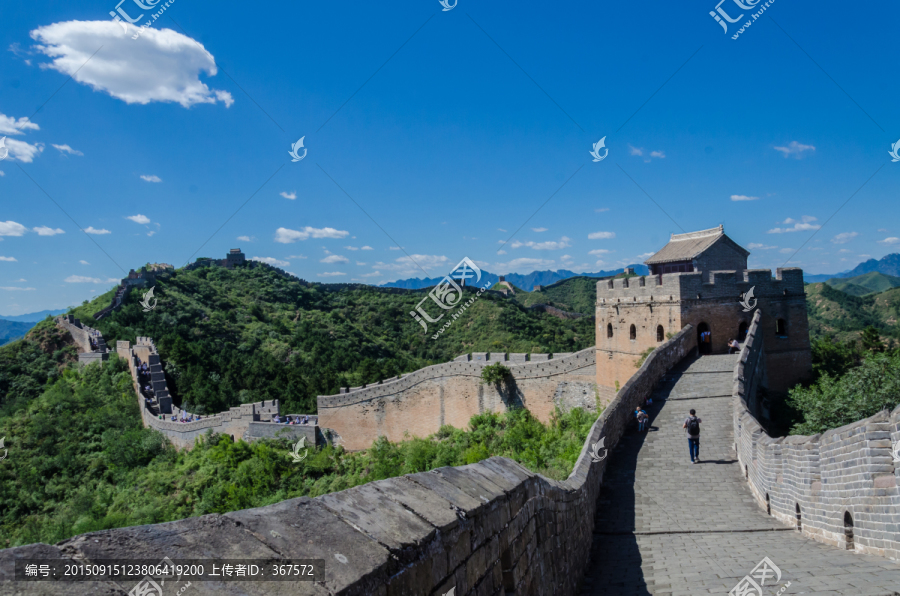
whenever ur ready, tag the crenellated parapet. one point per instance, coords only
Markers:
(667, 287)
(841, 487)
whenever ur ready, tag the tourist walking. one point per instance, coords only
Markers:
(642, 418)
(692, 428)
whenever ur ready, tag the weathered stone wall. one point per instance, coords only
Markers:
(419, 403)
(815, 482)
(81, 333)
(489, 528)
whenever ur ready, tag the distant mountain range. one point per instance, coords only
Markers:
(32, 317)
(526, 282)
(888, 265)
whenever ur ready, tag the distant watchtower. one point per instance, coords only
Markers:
(234, 257)
(699, 278)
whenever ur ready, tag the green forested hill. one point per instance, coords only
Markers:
(868, 283)
(835, 314)
(243, 335)
(576, 294)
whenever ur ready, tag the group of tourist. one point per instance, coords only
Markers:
(294, 420)
(185, 417)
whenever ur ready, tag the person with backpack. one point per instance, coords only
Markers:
(642, 418)
(692, 428)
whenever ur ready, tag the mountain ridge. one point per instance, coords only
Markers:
(526, 282)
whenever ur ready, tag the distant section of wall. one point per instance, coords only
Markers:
(419, 403)
(489, 528)
(82, 334)
(839, 487)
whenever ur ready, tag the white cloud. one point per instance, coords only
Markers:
(501, 252)
(565, 258)
(784, 251)
(93, 230)
(743, 198)
(66, 149)
(406, 266)
(151, 178)
(795, 149)
(799, 226)
(271, 261)
(891, 240)
(9, 259)
(286, 236)
(538, 229)
(523, 265)
(601, 235)
(500, 230)
(635, 150)
(22, 151)
(141, 219)
(332, 274)
(13, 289)
(602, 209)
(83, 262)
(162, 66)
(599, 251)
(11, 126)
(373, 274)
(548, 245)
(296, 257)
(11, 228)
(659, 154)
(361, 264)
(367, 248)
(845, 250)
(288, 195)
(844, 237)
(351, 248)
(335, 259)
(245, 238)
(2, 173)
(600, 263)
(882, 230)
(81, 279)
(754, 246)
(393, 248)
(45, 231)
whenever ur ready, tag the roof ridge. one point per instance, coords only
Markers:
(717, 231)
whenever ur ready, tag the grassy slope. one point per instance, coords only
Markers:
(576, 294)
(869, 283)
(835, 314)
(232, 336)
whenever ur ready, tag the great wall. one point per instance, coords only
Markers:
(638, 518)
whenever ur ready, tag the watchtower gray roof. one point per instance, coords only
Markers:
(684, 247)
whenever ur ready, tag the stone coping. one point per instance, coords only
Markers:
(521, 370)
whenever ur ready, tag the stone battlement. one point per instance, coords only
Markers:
(82, 334)
(839, 487)
(667, 287)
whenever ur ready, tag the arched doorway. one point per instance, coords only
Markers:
(704, 338)
(742, 331)
(848, 530)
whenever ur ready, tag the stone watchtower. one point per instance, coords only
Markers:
(699, 279)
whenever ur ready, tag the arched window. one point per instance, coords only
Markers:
(660, 333)
(768, 505)
(797, 507)
(848, 529)
(781, 328)
(632, 334)
(609, 331)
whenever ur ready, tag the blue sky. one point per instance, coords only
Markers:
(166, 150)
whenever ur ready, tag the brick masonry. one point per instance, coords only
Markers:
(419, 403)
(845, 471)
(660, 304)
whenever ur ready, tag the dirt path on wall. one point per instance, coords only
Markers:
(665, 526)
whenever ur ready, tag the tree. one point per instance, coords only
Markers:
(871, 340)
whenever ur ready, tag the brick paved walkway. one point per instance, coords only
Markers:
(665, 526)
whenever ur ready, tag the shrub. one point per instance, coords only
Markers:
(494, 374)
